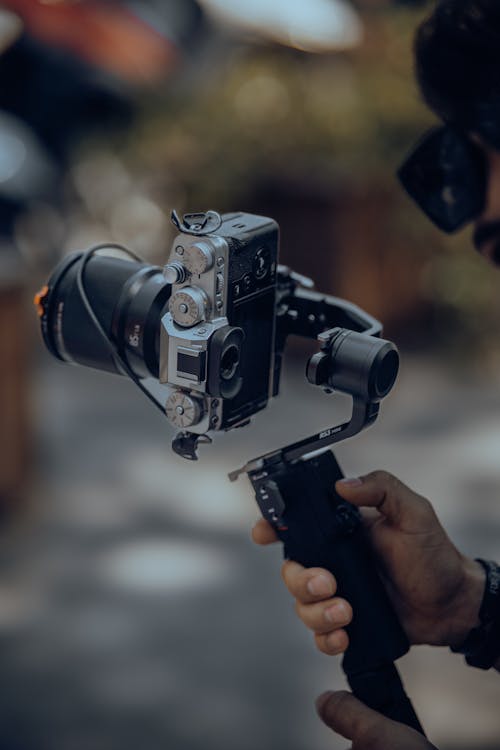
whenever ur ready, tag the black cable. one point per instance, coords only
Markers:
(120, 361)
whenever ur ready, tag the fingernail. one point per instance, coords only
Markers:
(336, 614)
(351, 481)
(320, 586)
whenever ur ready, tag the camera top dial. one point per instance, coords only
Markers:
(198, 258)
(184, 410)
(189, 306)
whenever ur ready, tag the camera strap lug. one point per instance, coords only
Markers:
(185, 444)
(200, 224)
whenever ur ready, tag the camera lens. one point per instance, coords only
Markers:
(127, 298)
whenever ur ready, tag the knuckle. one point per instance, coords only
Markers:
(289, 575)
(337, 641)
(321, 644)
(284, 569)
(425, 506)
(307, 615)
(332, 643)
(387, 482)
(299, 610)
(380, 476)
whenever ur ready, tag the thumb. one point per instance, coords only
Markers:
(350, 718)
(367, 729)
(383, 491)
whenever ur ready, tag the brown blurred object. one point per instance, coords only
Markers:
(345, 240)
(11, 28)
(106, 35)
(14, 421)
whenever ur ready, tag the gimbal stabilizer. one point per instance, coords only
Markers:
(295, 492)
(212, 326)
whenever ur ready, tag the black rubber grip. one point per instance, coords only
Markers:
(320, 529)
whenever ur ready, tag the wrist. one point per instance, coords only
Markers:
(465, 616)
(481, 648)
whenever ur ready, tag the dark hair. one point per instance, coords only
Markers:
(457, 53)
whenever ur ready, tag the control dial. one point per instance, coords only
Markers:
(189, 306)
(184, 410)
(199, 258)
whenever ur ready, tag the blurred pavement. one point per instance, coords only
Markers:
(136, 613)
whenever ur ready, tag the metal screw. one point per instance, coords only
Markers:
(201, 331)
(215, 403)
(220, 261)
(179, 250)
(214, 420)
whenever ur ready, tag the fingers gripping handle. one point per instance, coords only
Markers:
(319, 529)
(384, 691)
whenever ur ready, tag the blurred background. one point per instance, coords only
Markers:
(134, 610)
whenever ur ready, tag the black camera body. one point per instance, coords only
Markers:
(217, 337)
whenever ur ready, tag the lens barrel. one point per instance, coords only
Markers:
(128, 299)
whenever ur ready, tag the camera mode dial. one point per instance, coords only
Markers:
(189, 306)
(184, 410)
(198, 258)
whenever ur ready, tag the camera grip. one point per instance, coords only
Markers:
(320, 529)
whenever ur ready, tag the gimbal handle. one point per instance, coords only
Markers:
(319, 529)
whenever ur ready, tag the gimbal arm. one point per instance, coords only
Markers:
(296, 494)
(352, 358)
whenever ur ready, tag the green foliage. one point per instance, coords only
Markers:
(346, 116)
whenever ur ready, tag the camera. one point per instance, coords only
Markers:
(211, 327)
(217, 337)
(203, 325)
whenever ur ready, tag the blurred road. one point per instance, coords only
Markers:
(136, 613)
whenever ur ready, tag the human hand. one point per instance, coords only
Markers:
(436, 591)
(367, 729)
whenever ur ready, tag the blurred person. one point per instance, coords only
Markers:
(442, 597)
(107, 35)
(74, 70)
